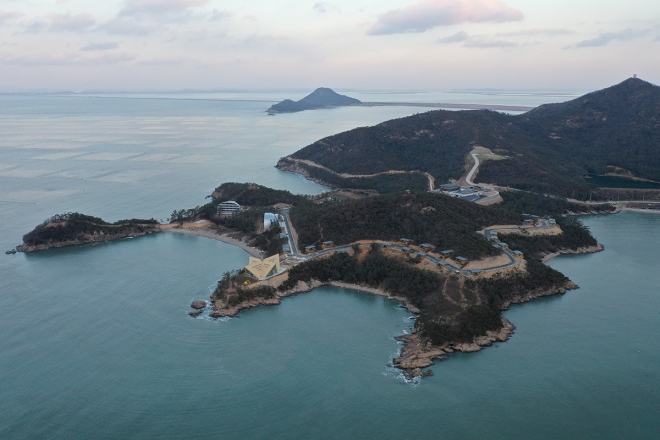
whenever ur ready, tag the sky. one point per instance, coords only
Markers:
(83, 45)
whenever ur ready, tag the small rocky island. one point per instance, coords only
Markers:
(74, 228)
(318, 99)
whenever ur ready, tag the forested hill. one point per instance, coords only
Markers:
(442, 221)
(551, 148)
(75, 228)
(251, 194)
(319, 98)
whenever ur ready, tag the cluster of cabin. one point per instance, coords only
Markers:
(426, 248)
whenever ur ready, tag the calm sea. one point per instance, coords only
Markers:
(95, 341)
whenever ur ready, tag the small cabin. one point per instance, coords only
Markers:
(405, 240)
(310, 249)
(386, 245)
(461, 260)
(406, 249)
(476, 272)
(328, 244)
(283, 236)
(427, 247)
(518, 254)
(446, 253)
(552, 221)
(504, 246)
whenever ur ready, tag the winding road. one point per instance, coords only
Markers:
(435, 260)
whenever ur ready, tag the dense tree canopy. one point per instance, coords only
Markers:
(442, 221)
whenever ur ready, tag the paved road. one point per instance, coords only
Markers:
(475, 167)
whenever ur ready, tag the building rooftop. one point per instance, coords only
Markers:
(472, 198)
(446, 252)
(517, 253)
(461, 259)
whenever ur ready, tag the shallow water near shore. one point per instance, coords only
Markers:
(96, 341)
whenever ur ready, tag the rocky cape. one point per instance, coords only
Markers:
(417, 352)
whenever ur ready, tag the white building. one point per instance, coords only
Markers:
(228, 207)
(270, 220)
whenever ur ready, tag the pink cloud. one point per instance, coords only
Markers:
(62, 23)
(6, 16)
(119, 26)
(158, 7)
(70, 23)
(428, 14)
(67, 59)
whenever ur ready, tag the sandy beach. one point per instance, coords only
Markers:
(225, 238)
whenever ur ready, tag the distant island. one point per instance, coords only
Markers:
(318, 99)
(602, 146)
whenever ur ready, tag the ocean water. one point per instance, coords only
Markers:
(95, 341)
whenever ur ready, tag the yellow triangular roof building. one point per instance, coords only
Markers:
(263, 268)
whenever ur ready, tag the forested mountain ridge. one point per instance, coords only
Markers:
(551, 147)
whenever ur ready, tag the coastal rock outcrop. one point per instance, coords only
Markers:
(198, 305)
(418, 352)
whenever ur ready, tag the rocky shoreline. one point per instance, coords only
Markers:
(285, 164)
(417, 352)
(583, 250)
